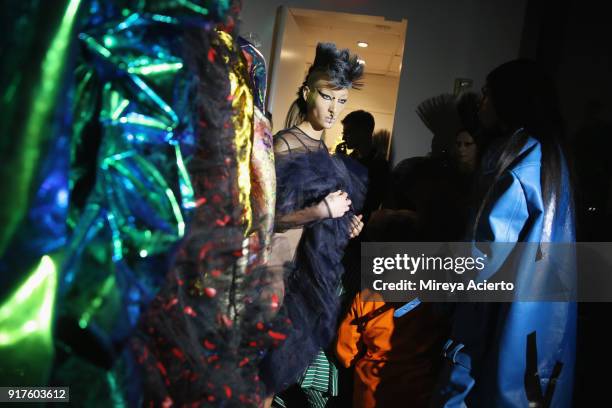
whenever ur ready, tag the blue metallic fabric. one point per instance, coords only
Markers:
(131, 195)
(257, 71)
(138, 156)
(133, 202)
(513, 354)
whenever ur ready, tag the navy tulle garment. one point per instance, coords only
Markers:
(311, 289)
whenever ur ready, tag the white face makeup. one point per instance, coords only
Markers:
(324, 105)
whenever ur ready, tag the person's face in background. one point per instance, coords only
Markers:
(486, 113)
(324, 104)
(466, 149)
(349, 135)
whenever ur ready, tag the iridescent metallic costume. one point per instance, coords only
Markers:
(170, 170)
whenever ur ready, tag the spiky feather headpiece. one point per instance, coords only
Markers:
(340, 68)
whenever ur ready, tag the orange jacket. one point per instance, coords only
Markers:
(395, 358)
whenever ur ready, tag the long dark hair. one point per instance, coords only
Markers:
(525, 99)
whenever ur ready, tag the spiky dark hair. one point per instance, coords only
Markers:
(342, 69)
(338, 67)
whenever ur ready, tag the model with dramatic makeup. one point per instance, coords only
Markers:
(316, 214)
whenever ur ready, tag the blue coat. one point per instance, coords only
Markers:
(509, 354)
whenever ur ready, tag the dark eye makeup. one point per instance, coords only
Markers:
(324, 96)
(329, 97)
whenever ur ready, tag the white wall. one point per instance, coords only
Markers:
(291, 70)
(376, 97)
(445, 39)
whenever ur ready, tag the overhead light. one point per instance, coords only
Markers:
(359, 60)
(362, 44)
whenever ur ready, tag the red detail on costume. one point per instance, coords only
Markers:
(228, 391)
(180, 282)
(226, 320)
(211, 398)
(188, 310)
(228, 160)
(204, 250)
(259, 326)
(170, 303)
(254, 244)
(230, 97)
(253, 344)
(161, 368)
(217, 199)
(167, 403)
(277, 335)
(229, 26)
(145, 354)
(243, 362)
(210, 292)
(200, 201)
(274, 302)
(209, 345)
(223, 222)
(215, 273)
(178, 353)
(226, 125)
(211, 54)
(212, 359)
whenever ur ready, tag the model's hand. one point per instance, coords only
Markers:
(335, 204)
(356, 226)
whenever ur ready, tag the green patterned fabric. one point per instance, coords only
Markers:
(319, 383)
(316, 399)
(321, 375)
(320, 379)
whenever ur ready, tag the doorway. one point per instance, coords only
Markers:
(377, 41)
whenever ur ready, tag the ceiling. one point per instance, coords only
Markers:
(385, 38)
